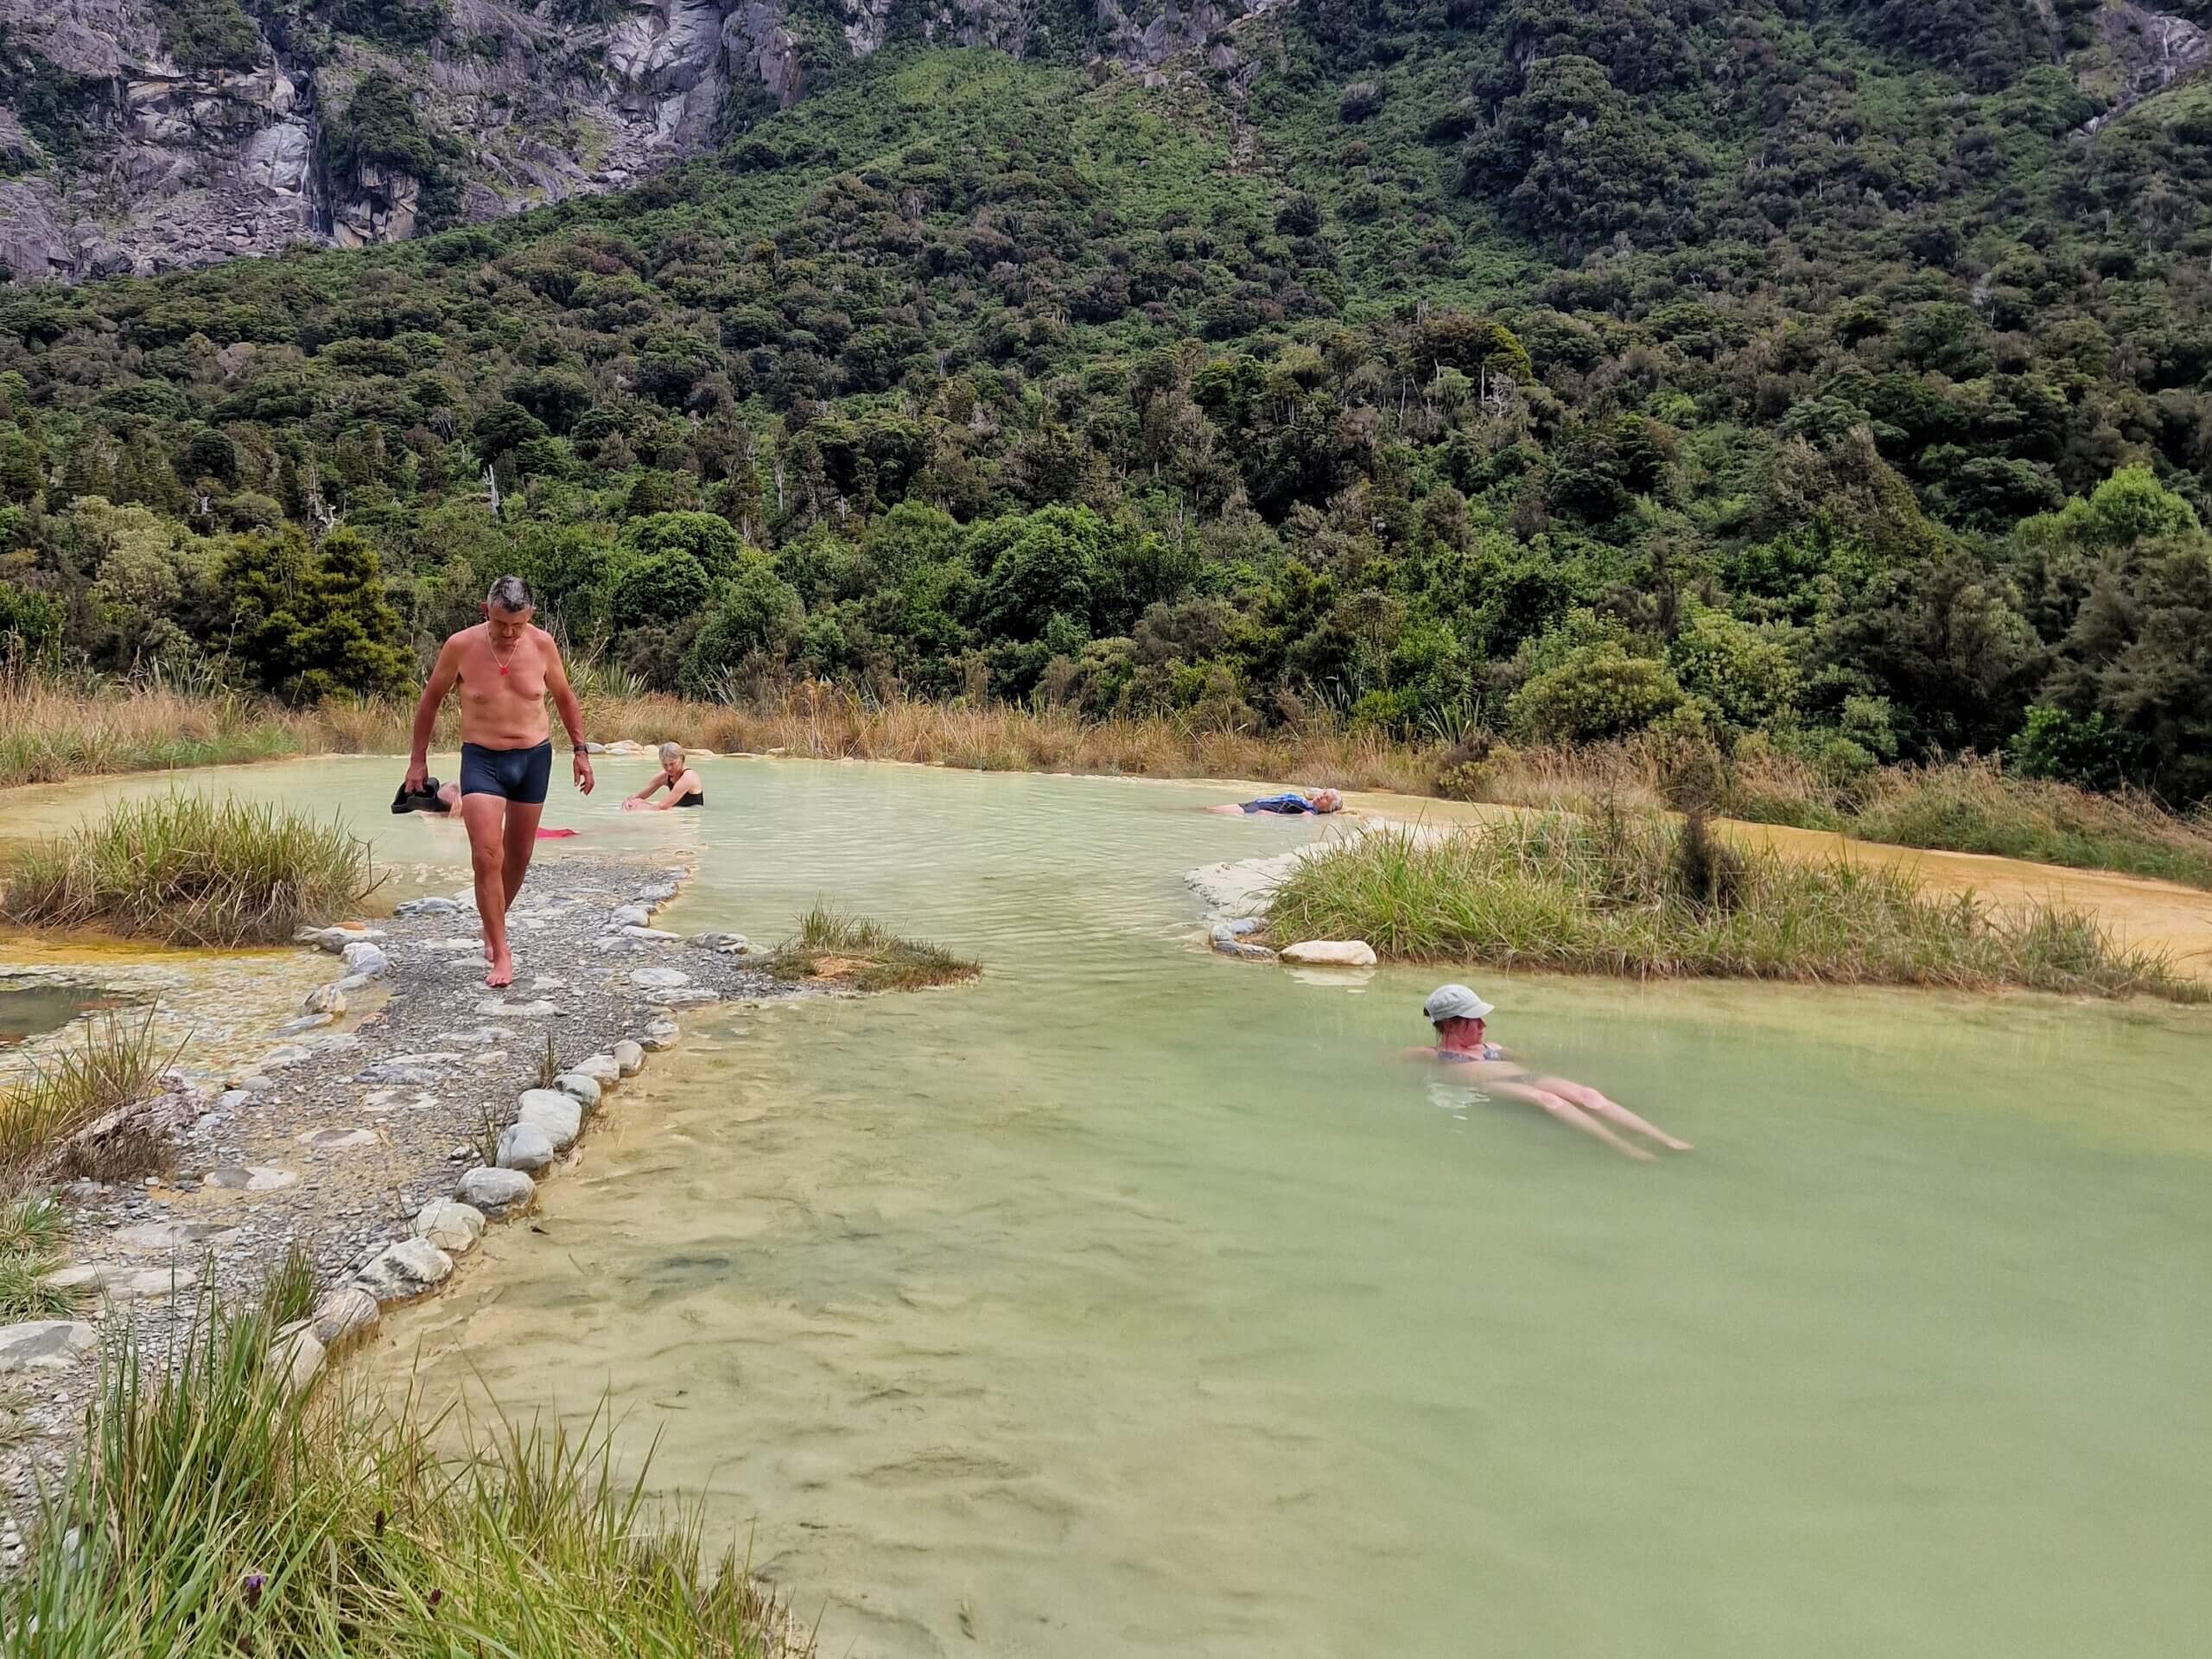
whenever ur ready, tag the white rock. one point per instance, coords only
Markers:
(457, 947)
(1331, 953)
(630, 1058)
(524, 1146)
(452, 1226)
(426, 907)
(45, 1344)
(628, 915)
(496, 1192)
(124, 1284)
(298, 1353)
(407, 1268)
(158, 1237)
(499, 1008)
(325, 999)
(601, 1069)
(353, 981)
(365, 958)
(558, 1117)
(285, 1054)
(582, 1089)
(336, 1140)
(661, 1035)
(344, 1313)
(252, 1178)
(659, 979)
(651, 935)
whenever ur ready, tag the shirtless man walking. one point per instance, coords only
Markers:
(504, 667)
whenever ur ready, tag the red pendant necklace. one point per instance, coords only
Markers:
(503, 666)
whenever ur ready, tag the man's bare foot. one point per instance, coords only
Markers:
(502, 971)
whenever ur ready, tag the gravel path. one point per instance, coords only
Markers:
(384, 1102)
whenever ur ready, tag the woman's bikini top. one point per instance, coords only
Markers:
(1468, 1056)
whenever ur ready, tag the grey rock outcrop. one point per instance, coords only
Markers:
(184, 163)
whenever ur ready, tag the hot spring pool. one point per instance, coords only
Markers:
(1133, 1301)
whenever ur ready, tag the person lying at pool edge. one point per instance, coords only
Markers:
(681, 782)
(449, 797)
(1290, 803)
(1459, 1018)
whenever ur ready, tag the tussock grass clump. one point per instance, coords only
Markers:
(216, 1513)
(829, 945)
(117, 1060)
(1618, 893)
(190, 869)
(30, 1248)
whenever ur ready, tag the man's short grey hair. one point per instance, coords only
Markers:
(670, 751)
(511, 594)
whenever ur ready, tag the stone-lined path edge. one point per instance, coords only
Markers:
(389, 1122)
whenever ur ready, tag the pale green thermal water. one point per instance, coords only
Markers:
(1136, 1302)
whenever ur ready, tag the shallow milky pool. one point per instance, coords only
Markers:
(1135, 1301)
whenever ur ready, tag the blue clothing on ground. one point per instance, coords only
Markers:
(1284, 804)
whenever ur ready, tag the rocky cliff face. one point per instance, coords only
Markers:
(136, 136)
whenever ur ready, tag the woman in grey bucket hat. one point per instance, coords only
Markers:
(1460, 1019)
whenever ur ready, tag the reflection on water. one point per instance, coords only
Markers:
(32, 1010)
(1135, 1302)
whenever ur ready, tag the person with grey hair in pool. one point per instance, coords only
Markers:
(1460, 1020)
(681, 782)
(505, 667)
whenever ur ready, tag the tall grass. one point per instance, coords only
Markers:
(116, 1059)
(190, 869)
(826, 944)
(1621, 893)
(31, 1230)
(50, 731)
(1968, 805)
(214, 1513)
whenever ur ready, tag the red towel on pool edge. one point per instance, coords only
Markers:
(554, 835)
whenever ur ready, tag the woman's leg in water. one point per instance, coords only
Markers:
(1612, 1111)
(1568, 1113)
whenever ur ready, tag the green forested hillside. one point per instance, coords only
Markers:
(1555, 367)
